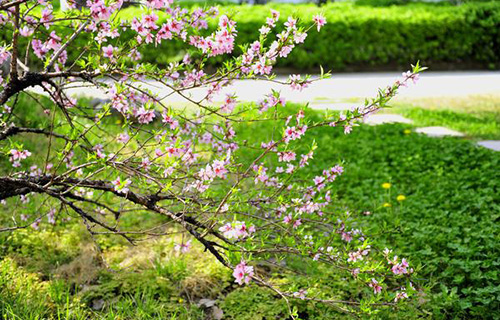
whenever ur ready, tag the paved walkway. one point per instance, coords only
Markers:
(343, 91)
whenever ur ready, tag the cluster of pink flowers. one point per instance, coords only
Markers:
(295, 222)
(377, 288)
(259, 61)
(400, 267)
(294, 133)
(358, 255)
(99, 10)
(270, 101)
(297, 83)
(144, 115)
(216, 169)
(108, 51)
(53, 42)
(329, 175)
(4, 55)
(220, 42)
(407, 76)
(236, 230)
(121, 186)
(243, 273)
(168, 119)
(286, 156)
(51, 216)
(229, 104)
(17, 155)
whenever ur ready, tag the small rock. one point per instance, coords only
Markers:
(490, 144)
(439, 132)
(217, 313)
(97, 304)
(206, 302)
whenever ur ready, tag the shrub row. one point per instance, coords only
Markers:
(360, 37)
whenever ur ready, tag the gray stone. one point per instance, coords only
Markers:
(439, 132)
(490, 144)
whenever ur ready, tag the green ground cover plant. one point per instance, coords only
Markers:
(446, 222)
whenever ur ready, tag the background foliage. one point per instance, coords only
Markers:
(363, 37)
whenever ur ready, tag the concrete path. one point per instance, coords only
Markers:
(342, 91)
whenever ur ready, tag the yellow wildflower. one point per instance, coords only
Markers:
(387, 205)
(386, 185)
(401, 198)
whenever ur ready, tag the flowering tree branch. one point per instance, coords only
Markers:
(245, 200)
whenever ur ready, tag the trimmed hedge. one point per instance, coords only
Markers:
(361, 37)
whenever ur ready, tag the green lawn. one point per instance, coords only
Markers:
(448, 224)
(476, 116)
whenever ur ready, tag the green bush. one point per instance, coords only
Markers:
(360, 37)
(357, 36)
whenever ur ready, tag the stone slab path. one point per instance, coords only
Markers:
(490, 144)
(435, 132)
(439, 132)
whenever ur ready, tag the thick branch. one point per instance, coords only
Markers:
(13, 130)
(10, 187)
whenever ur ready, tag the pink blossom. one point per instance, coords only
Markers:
(26, 31)
(24, 198)
(99, 149)
(291, 23)
(243, 273)
(183, 247)
(219, 169)
(401, 295)
(236, 230)
(17, 156)
(286, 156)
(121, 187)
(108, 51)
(297, 223)
(46, 17)
(36, 224)
(319, 182)
(51, 216)
(229, 104)
(346, 236)
(145, 116)
(123, 138)
(376, 287)
(319, 20)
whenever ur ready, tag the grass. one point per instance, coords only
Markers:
(476, 116)
(448, 224)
